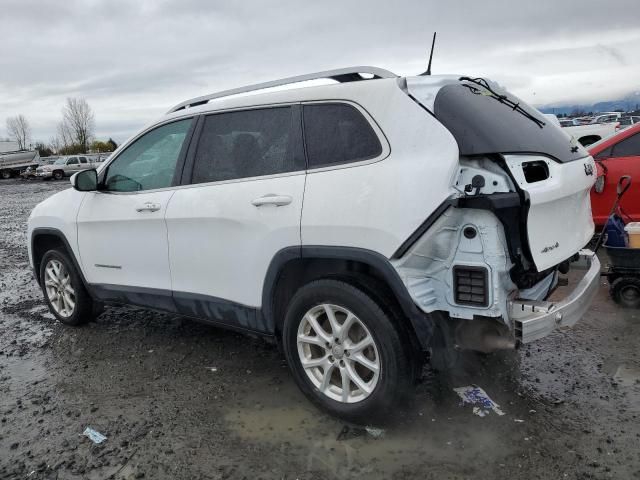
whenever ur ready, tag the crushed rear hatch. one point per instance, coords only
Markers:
(551, 171)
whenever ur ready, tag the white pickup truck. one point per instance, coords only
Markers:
(589, 133)
(66, 166)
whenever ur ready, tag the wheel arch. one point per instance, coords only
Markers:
(294, 267)
(45, 239)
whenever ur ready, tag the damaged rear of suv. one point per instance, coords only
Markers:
(494, 251)
(359, 224)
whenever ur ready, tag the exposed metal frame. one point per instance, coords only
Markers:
(342, 75)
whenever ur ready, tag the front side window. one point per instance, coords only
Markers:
(150, 161)
(72, 161)
(338, 133)
(83, 159)
(244, 144)
(629, 147)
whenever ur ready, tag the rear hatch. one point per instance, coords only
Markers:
(559, 221)
(552, 171)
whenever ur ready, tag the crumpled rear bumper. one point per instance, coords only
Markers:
(533, 320)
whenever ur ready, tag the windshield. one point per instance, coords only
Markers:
(60, 161)
(485, 119)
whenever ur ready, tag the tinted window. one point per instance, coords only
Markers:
(83, 160)
(72, 161)
(606, 153)
(629, 147)
(245, 144)
(338, 133)
(150, 161)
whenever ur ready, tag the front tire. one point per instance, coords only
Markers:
(64, 291)
(58, 175)
(345, 353)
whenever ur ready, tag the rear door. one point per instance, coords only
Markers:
(241, 206)
(84, 163)
(122, 233)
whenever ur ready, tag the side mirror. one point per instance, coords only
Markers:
(85, 181)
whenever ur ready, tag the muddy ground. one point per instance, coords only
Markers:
(180, 400)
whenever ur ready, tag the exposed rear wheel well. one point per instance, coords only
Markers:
(301, 271)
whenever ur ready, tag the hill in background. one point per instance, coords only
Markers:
(628, 103)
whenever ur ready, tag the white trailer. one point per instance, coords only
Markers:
(12, 163)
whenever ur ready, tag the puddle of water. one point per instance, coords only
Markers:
(18, 374)
(434, 435)
(627, 376)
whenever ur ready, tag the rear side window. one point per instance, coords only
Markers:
(629, 147)
(247, 143)
(338, 133)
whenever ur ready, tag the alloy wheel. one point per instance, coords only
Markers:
(338, 353)
(60, 293)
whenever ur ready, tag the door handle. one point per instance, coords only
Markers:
(149, 207)
(272, 199)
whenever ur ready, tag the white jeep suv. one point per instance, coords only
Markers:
(359, 224)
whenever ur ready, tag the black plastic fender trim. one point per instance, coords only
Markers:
(57, 233)
(420, 321)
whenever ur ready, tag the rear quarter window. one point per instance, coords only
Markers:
(337, 133)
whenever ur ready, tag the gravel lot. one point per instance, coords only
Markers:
(180, 400)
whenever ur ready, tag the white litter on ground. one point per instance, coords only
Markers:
(480, 412)
(375, 432)
(94, 436)
(474, 395)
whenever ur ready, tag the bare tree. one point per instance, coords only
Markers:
(77, 126)
(63, 135)
(19, 129)
(56, 144)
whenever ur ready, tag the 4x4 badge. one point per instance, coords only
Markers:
(550, 247)
(588, 169)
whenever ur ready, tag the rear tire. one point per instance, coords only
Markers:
(5, 174)
(326, 325)
(64, 291)
(625, 291)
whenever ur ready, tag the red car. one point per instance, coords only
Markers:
(616, 156)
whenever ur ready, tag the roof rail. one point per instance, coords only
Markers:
(349, 74)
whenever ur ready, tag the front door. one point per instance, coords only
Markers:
(122, 233)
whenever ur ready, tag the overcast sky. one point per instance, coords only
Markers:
(132, 60)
